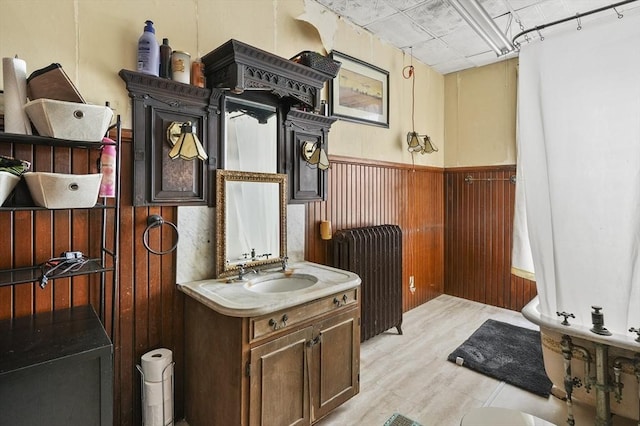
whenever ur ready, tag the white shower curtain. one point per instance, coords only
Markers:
(579, 166)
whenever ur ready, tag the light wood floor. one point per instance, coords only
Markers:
(410, 374)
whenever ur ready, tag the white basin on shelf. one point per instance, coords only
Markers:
(281, 283)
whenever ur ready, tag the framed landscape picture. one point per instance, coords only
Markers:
(360, 92)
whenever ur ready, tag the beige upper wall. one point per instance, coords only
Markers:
(480, 115)
(94, 39)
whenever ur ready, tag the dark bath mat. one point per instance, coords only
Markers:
(506, 352)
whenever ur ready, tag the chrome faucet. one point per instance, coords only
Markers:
(284, 262)
(242, 272)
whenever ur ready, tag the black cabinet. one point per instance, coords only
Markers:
(307, 182)
(157, 103)
(242, 70)
(56, 370)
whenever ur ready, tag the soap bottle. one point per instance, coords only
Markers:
(108, 168)
(148, 51)
(165, 59)
(197, 73)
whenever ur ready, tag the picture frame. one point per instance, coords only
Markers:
(359, 92)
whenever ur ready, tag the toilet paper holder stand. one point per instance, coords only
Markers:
(165, 422)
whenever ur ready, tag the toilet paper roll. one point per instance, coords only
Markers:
(158, 407)
(154, 363)
(14, 76)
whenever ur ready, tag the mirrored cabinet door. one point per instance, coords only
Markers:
(250, 135)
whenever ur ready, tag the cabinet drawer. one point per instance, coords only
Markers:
(287, 318)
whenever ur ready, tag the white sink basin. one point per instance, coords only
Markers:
(279, 283)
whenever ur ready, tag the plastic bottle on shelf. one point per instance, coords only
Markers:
(108, 168)
(197, 73)
(165, 59)
(148, 51)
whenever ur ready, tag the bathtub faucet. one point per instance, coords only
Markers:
(565, 315)
(617, 369)
(637, 331)
(597, 318)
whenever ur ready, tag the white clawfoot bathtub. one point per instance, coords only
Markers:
(552, 332)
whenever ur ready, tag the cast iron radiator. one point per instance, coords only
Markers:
(375, 254)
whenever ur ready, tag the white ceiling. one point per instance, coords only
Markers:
(437, 36)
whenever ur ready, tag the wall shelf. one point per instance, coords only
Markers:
(102, 255)
(47, 141)
(31, 274)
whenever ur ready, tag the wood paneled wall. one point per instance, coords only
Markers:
(365, 193)
(361, 193)
(150, 309)
(479, 229)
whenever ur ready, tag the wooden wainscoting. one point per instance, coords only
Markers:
(150, 309)
(479, 228)
(365, 193)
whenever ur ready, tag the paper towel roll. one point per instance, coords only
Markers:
(155, 400)
(154, 363)
(14, 75)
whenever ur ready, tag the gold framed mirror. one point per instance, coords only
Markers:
(251, 220)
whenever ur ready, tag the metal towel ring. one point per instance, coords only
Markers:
(155, 221)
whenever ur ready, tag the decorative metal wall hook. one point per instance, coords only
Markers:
(579, 23)
(156, 221)
(620, 15)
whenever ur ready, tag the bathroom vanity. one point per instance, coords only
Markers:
(263, 354)
(267, 343)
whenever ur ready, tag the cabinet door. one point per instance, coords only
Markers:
(306, 182)
(335, 369)
(158, 102)
(279, 381)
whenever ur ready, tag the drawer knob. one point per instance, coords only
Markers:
(339, 302)
(273, 323)
(285, 318)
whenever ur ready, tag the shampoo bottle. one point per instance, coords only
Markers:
(148, 51)
(165, 59)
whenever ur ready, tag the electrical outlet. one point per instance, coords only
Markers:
(412, 287)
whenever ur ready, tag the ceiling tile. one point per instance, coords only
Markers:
(437, 16)
(434, 52)
(403, 4)
(466, 42)
(399, 30)
(453, 66)
(495, 7)
(360, 12)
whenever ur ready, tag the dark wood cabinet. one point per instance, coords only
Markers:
(307, 182)
(157, 102)
(279, 383)
(291, 366)
(56, 368)
(251, 73)
(335, 362)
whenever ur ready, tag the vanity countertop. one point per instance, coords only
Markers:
(234, 299)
